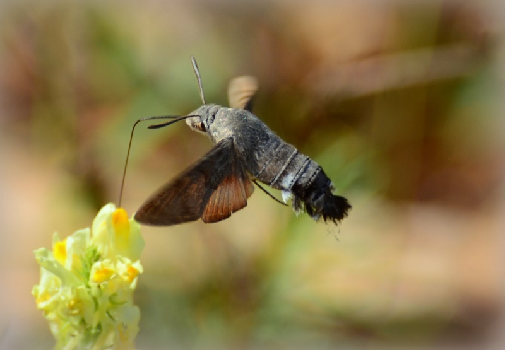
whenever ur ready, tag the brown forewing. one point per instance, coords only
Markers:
(212, 189)
(230, 196)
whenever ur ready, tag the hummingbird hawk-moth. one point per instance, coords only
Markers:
(245, 151)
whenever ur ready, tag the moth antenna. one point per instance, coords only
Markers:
(176, 119)
(199, 78)
(271, 195)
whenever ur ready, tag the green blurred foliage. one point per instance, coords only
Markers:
(393, 100)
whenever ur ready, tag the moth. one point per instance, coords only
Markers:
(245, 151)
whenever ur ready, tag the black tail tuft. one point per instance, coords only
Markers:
(335, 208)
(318, 200)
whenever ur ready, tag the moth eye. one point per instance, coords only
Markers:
(200, 126)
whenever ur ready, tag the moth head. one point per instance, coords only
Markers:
(196, 123)
(202, 118)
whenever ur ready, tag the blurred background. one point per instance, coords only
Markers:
(399, 101)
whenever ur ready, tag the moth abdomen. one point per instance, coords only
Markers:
(317, 199)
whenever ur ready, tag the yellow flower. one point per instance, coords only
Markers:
(129, 271)
(46, 291)
(102, 271)
(131, 274)
(87, 282)
(114, 234)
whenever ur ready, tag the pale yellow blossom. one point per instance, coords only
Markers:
(87, 282)
(114, 234)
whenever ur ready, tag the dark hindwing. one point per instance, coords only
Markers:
(212, 189)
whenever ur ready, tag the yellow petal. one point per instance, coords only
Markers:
(131, 273)
(46, 259)
(60, 251)
(136, 242)
(42, 298)
(100, 232)
(103, 274)
(121, 223)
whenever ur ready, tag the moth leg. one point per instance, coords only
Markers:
(271, 195)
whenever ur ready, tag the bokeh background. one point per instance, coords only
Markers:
(400, 102)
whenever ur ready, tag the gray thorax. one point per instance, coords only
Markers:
(264, 154)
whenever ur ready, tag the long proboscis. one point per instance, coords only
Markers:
(175, 119)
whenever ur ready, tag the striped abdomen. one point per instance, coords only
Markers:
(283, 167)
